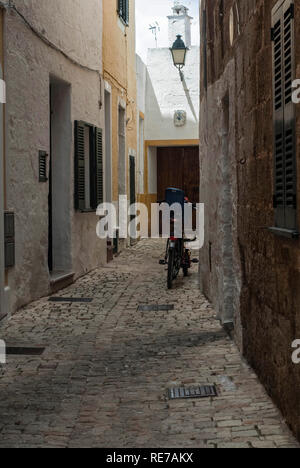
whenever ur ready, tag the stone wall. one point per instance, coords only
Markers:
(75, 27)
(3, 312)
(265, 273)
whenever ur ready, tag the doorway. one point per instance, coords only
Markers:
(108, 148)
(59, 200)
(178, 167)
(132, 182)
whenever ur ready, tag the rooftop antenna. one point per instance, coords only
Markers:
(155, 29)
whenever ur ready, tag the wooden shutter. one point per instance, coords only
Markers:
(126, 11)
(277, 36)
(123, 10)
(132, 180)
(79, 166)
(99, 165)
(289, 117)
(284, 115)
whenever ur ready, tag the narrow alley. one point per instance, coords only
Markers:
(104, 376)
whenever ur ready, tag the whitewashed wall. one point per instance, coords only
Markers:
(76, 27)
(142, 74)
(166, 93)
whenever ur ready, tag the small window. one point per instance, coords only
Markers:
(123, 10)
(88, 167)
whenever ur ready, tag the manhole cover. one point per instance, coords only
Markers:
(204, 391)
(156, 308)
(166, 307)
(71, 299)
(24, 351)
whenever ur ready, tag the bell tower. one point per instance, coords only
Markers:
(180, 23)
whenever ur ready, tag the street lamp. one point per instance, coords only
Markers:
(179, 51)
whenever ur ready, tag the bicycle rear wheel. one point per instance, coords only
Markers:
(171, 260)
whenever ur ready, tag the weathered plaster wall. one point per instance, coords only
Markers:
(219, 257)
(75, 27)
(2, 190)
(267, 320)
(141, 77)
(142, 73)
(166, 93)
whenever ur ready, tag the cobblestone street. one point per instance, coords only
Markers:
(103, 378)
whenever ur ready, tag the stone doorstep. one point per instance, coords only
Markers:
(60, 280)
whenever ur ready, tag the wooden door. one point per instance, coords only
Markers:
(178, 167)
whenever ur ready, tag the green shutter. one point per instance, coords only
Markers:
(99, 165)
(79, 166)
(277, 36)
(123, 10)
(132, 180)
(127, 12)
(120, 7)
(289, 117)
(284, 115)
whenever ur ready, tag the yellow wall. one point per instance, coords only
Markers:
(119, 70)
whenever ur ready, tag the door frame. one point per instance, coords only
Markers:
(157, 144)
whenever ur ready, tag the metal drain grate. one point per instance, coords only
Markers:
(156, 308)
(23, 351)
(204, 391)
(71, 299)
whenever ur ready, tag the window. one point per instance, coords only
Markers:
(123, 10)
(285, 184)
(88, 167)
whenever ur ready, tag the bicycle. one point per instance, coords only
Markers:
(177, 256)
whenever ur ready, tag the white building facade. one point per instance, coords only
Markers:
(170, 105)
(53, 127)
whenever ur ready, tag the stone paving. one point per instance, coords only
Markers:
(103, 378)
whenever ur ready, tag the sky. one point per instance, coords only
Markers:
(150, 11)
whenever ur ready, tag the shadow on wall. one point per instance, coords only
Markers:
(167, 93)
(189, 99)
(152, 104)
